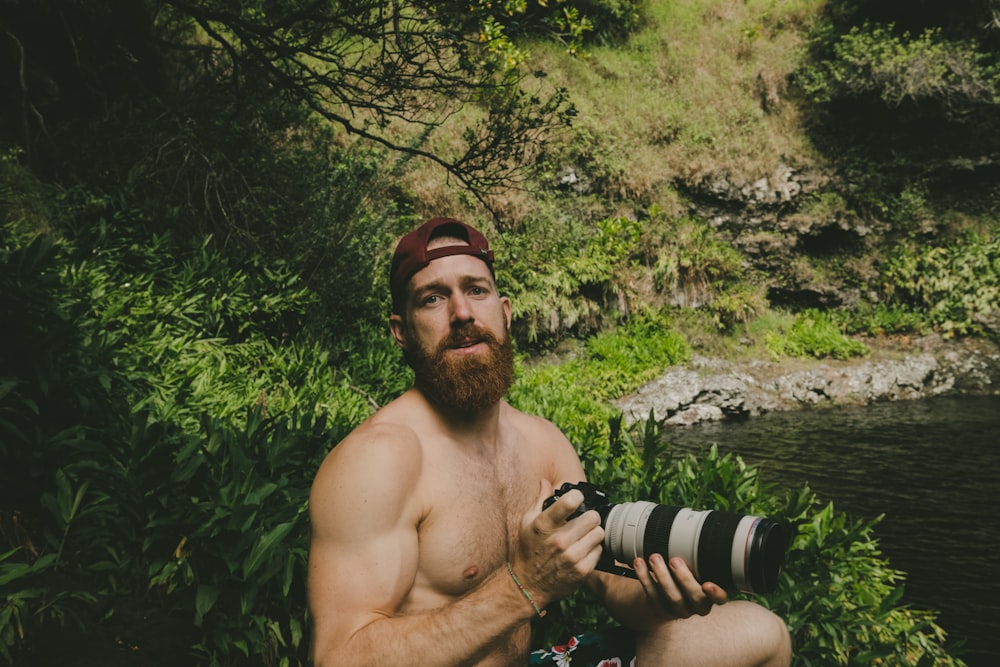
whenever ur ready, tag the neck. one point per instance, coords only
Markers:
(483, 423)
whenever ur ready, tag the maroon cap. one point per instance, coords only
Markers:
(412, 254)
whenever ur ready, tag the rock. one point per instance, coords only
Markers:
(712, 389)
(696, 413)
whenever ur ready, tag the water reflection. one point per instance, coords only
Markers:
(929, 466)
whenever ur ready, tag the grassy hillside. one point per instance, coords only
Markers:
(745, 196)
(699, 88)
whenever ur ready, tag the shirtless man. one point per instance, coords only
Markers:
(429, 543)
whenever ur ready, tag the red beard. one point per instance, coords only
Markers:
(464, 384)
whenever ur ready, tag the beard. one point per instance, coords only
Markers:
(460, 384)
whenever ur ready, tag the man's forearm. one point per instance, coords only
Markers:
(466, 630)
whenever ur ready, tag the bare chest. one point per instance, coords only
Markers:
(474, 519)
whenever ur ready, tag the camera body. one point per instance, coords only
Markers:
(594, 498)
(737, 552)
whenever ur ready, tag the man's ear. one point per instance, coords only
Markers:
(506, 310)
(398, 329)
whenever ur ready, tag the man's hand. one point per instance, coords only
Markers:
(673, 589)
(554, 555)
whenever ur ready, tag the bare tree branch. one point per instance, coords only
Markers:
(388, 71)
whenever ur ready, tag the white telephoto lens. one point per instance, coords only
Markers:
(685, 534)
(740, 566)
(625, 528)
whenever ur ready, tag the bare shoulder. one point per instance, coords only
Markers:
(377, 467)
(535, 427)
(545, 438)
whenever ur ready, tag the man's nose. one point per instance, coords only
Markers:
(461, 308)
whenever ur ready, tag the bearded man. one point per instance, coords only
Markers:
(430, 545)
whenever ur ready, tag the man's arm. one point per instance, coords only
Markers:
(664, 591)
(363, 563)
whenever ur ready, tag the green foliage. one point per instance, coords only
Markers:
(840, 599)
(814, 334)
(160, 430)
(896, 67)
(694, 266)
(375, 364)
(619, 361)
(575, 394)
(690, 257)
(954, 284)
(736, 305)
(556, 393)
(568, 286)
(883, 319)
(570, 22)
(225, 545)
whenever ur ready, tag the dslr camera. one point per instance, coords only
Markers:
(737, 552)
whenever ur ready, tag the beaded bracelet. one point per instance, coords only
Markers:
(524, 592)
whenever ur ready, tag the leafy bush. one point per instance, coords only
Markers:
(814, 334)
(621, 360)
(575, 394)
(954, 284)
(838, 596)
(690, 257)
(135, 525)
(883, 319)
(568, 285)
(571, 22)
(897, 66)
(695, 267)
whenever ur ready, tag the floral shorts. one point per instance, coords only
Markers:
(611, 648)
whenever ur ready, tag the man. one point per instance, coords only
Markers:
(429, 542)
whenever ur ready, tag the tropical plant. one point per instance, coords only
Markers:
(839, 597)
(814, 333)
(955, 284)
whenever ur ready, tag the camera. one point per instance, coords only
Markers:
(737, 552)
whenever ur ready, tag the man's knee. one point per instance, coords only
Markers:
(776, 640)
(760, 632)
(736, 633)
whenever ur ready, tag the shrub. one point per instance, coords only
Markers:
(575, 394)
(883, 319)
(955, 284)
(897, 66)
(814, 334)
(838, 596)
(135, 524)
(568, 285)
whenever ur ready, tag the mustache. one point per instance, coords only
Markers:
(466, 332)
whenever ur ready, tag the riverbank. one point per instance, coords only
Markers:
(900, 368)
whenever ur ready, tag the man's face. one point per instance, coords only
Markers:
(455, 334)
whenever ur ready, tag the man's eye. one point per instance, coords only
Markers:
(431, 299)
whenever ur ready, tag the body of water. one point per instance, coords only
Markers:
(932, 467)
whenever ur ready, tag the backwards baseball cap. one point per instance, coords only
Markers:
(412, 254)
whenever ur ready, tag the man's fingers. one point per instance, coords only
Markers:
(675, 588)
(559, 511)
(715, 593)
(546, 490)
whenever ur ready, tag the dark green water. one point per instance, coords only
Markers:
(931, 466)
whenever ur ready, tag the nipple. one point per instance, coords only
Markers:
(470, 573)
